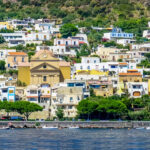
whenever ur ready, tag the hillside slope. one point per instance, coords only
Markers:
(99, 12)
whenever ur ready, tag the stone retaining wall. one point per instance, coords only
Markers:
(82, 124)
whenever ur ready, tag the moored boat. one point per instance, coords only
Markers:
(73, 127)
(46, 127)
(4, 128)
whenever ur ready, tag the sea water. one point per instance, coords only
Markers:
(74, 139)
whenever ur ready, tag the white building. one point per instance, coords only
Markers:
(137, 89)
(13, 36)
(137, 56)
(139, 46)
(67, 96)
(7, 93)
(146, 34)
(44, 26)
(125, 42)
(93, 63)
(69, 42)
(4, 53)
(39, 36)
(17, 23)
(39, 95)
(59, 50)
(119, 36)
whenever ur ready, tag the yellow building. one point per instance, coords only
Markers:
(6, 25)
(14, 58)
(24, 73)
(65, 70)
(130, 77)
(44, 69)
(101, 88)
(120, 88)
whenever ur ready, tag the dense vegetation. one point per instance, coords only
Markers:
(68, 30)
(130, 15)
(22, 107)
(146, 62)
(115, 107)
(87, 12)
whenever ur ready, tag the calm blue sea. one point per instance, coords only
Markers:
(74, 139)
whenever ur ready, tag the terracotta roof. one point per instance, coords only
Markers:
(32, 96)
(25, 64)
(46, 96)
(64, 63)
(17, 53)
(130, 74)
(132, 70)
(81, 42)
(123, 63)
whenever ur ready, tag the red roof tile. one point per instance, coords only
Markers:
(130, 74)
(17, 53)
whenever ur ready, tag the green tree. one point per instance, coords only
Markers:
(20, 47)
(68, 30)
(2, 40)
(2, 65)
(26, 108)
(92, 92)
(86, 108)
(112, 108)
(25, 2)
(7, 106)
(60, 113)
(6, 31)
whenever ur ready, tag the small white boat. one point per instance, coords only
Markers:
(73, 127)
(147, 128)
(140, 128)
(46, 127)
(4, 128)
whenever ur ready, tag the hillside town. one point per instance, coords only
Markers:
(44, 64)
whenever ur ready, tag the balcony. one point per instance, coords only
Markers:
(54, 94)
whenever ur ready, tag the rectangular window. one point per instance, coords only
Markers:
(22, 59)
(44, 78)
(69, 107)
(71, 99)
(14, 59)
(11, 91)
(88, 67)
(32, 99)
(33, 92)
(78, 98)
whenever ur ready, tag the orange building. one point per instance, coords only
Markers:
(14, 58)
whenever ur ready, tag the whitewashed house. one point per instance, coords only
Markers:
(59, 50)
(137, 89)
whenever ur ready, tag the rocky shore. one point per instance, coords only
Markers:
(75, 124)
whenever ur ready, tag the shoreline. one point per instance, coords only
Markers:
(78, 124)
